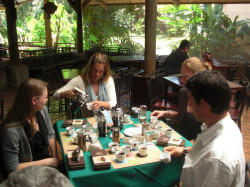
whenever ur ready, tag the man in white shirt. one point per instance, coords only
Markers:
(217, 156)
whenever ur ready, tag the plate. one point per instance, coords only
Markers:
(121, 135)
(132, 131)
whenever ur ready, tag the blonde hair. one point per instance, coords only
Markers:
(195, 64)
(99, 58)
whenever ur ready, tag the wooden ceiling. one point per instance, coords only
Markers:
(131, 2)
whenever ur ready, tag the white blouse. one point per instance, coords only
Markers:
(78, 82)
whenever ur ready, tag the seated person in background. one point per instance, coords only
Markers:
(187, 126)
(95, 80)
(217, 156)
(26, 132)
(174, 61)
(37, 176)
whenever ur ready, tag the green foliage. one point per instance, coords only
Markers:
(111, 27)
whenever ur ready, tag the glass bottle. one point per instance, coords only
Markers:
(102, 125)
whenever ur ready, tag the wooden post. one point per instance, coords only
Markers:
(11, 16)
(79, 26)
(47, 27)
(150, 36)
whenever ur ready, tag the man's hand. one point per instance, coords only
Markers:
(174, 151)
(159, 114)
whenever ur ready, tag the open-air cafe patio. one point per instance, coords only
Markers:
(122, 145)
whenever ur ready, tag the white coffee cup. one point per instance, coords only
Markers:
(158, 127)
(168, 132)
(89, 106)
(157, 133)
(153, 118)
(75, 139)
(70, 130)
(126, 118)
(93, 137)
(120, 156)
(143, 150)
(127, 149)
(80, 131)
(165, 157)
(113, 146)
(134, 143)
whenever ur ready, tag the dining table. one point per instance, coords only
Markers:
(129, 60)
(136, 173)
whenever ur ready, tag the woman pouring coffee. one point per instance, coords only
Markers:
(95, 81)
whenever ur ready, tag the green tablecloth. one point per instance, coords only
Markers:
(153, 174)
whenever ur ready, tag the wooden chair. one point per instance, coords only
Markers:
(240, 99)
(148, 90)
(247, 174)
(229, 72)
(1, 109)
(53, 78)
(125, 86)
(248, 77)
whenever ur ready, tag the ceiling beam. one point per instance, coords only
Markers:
(85, 4)
(131, 2)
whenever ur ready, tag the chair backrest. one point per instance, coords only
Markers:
(125, 82)
(52, 77)
(248, 70)
(231, 72)
(146, 90)
(247, 175)
(1, 109)
(117, 80)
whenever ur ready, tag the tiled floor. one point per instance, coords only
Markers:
(8, 96)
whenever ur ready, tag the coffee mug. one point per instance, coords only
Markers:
(126, 118)
(134, 143)
(89, 106)
(143, 150)
(80, 131)
(168, 132)
(165, 157)
(120, 156)
(127, 149)
(93, 137)
(113, 146)
(153, 118)
(70, 130)
(157, 133)
(75, 139)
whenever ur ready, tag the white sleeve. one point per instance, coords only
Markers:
(75, 82)
(111, 92)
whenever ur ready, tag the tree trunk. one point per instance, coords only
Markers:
(150, 36)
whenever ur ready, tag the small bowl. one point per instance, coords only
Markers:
(165, 157)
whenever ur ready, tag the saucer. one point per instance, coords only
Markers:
(138, 154)
(73, 142)
(124, 161)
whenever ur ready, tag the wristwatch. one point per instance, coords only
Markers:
(185, 151)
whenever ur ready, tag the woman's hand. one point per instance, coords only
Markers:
(96, 105)
(159, 114)
(68, 94)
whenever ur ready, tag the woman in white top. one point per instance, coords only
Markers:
(95, 81)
